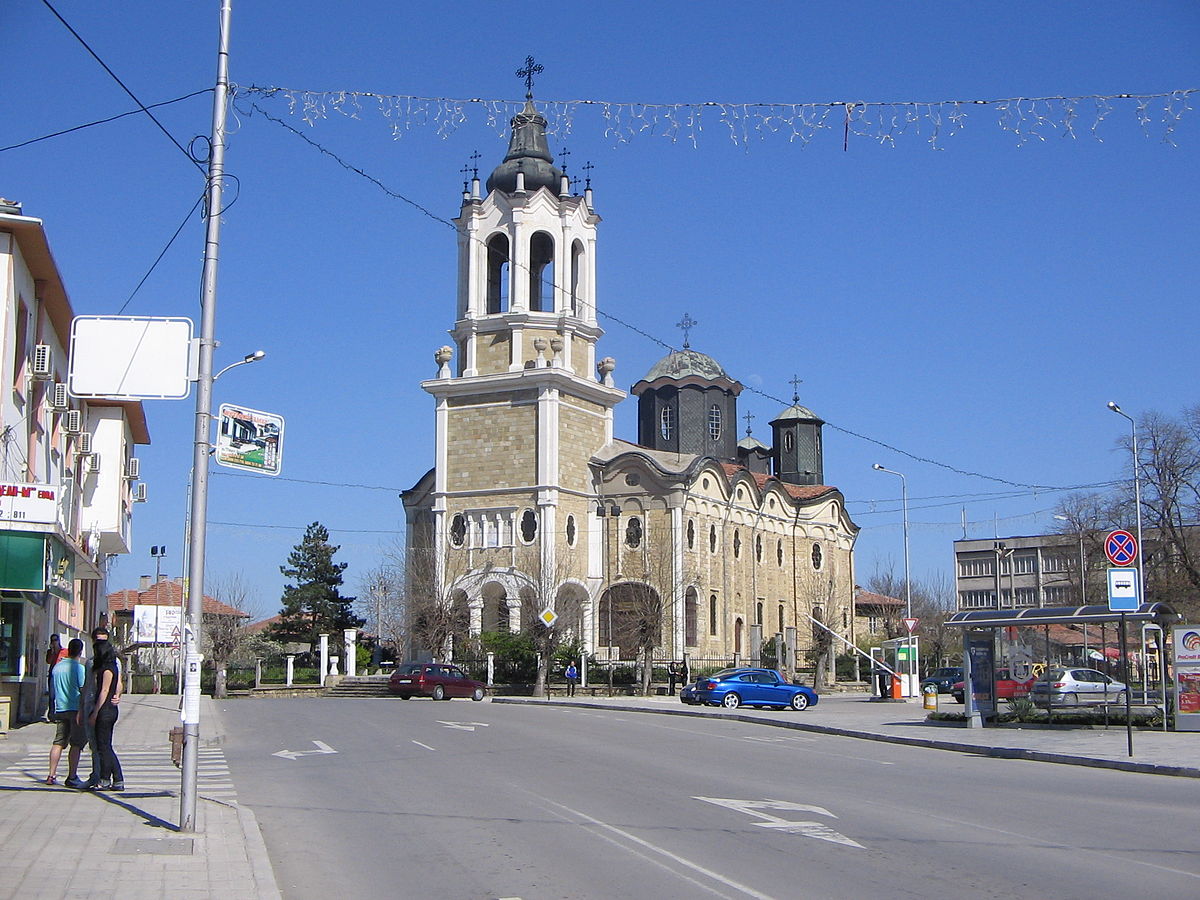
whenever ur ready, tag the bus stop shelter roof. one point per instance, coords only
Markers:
(1057, 615)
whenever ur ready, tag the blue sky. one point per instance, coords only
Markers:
(974, 307)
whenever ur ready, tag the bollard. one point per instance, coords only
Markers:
(930, 693)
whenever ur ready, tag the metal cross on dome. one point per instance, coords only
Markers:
(687, 323)
(748, 417)
(474, 158)
(795, 383)
(530, 69)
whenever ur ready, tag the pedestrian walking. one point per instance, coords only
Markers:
(572, 674)
(103, 717)
(66, 680)
(674, 673)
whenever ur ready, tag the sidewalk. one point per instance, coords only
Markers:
(903, 722)
(64, 843)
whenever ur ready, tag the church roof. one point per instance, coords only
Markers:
(528, 153)
(795, 491)
(749, 442)
(686, 366)
(796, 412)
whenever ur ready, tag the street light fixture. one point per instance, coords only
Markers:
(248, 358)
(907, 579)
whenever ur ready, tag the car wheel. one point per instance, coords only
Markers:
(731, 701)
(478, 694)
(439, 692)
(1070, 699)
(799, 701)
(405, 696)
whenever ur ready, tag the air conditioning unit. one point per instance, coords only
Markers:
(43, 365)
(93, 464)
(139, 494)
(58, 398)
(133, 468)
(83, 444)
(73, 422)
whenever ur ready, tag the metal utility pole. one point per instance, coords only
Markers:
(198, 514)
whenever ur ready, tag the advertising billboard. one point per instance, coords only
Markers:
(250, 439)
(157, 624)
(1185, 641)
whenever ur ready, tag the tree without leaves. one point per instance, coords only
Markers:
(225, 634)
(382, 605)
(312, 602)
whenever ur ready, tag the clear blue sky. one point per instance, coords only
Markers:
(976, 305)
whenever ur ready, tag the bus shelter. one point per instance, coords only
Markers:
(1019, 642)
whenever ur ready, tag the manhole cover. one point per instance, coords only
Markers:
(154, 846)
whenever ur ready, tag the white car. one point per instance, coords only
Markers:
(1070, 687)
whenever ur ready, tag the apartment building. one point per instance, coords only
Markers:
(68, 476)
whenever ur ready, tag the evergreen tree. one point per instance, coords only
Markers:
(312, 602)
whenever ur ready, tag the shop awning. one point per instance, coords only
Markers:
(1058, 615)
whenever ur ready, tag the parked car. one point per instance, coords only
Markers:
(1007, 687)
(732, 688)
(943, 679)
(436, 680)
(1070, 687)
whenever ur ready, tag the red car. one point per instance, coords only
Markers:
(437, 680)
(1007, 688)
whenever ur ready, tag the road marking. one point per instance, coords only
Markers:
(322, 747)
(463, 726)
(817, 830)
(675, 858)
(145, 770)
(426, 746)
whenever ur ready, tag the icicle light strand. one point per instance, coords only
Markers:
(1027, 119)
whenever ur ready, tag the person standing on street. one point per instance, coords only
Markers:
(66, 680)
(54, 655)
(99, 633)
(572, 674)
(103, 717)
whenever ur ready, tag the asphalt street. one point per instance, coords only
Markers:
(457, 799)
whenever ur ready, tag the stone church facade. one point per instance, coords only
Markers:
(688, 539)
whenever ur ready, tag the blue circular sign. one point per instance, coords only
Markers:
(1121, 548)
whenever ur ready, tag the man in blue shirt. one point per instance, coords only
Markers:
(67, 676)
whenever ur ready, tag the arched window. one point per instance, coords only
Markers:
(737, 545)
(816, 557)
(758, 548)
(458, 530)
(576, 277)
(758, 613)
(779, 553)
(780, 629)
(738, 625)
(541, 273)
(789, 441)
(633, 533)
(712, 614)
(691, 534)
(497, 273)
(666, 423)
(529, 526)
(689, 618)
(570, 531)
(714, 422)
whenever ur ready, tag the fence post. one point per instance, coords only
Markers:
(583, 670)
(324, 647)
(491, 668)
(291, 663)
(258, 672)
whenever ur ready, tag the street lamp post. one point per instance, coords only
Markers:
(908, 669)
(1141, 554)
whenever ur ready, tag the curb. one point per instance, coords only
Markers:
(256, 853)
(927, 743)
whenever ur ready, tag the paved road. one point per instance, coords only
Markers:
(480, 800)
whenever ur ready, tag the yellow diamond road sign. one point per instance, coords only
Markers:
(548, 617)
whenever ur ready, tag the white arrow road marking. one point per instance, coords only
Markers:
(322, 747)
(464, 726)
(808, 829)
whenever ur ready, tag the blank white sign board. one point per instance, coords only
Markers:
(129, 358)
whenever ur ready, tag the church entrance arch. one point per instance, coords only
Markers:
(495, 615)
(630, 616)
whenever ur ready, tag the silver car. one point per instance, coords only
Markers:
(1070, 687)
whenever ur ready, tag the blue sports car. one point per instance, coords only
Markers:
(732, 688)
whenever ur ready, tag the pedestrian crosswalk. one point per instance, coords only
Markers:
(146, 771)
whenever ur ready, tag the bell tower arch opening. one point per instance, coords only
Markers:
(541, 273)
(498, 260)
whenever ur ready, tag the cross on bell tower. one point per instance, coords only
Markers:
(527, 72)
(687, 323)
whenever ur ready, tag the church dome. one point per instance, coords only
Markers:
(529, 154)
(686, 363)
(796, 412)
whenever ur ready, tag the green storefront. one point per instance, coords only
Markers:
(23, 625)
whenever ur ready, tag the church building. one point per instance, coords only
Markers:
(688, 540)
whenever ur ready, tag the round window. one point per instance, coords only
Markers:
(458, 530)
(529, 526)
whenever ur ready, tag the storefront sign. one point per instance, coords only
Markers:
(1185, 640)
(37, 503)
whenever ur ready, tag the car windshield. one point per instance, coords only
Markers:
(410, 669)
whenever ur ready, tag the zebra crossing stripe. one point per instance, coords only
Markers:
(144, 770)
